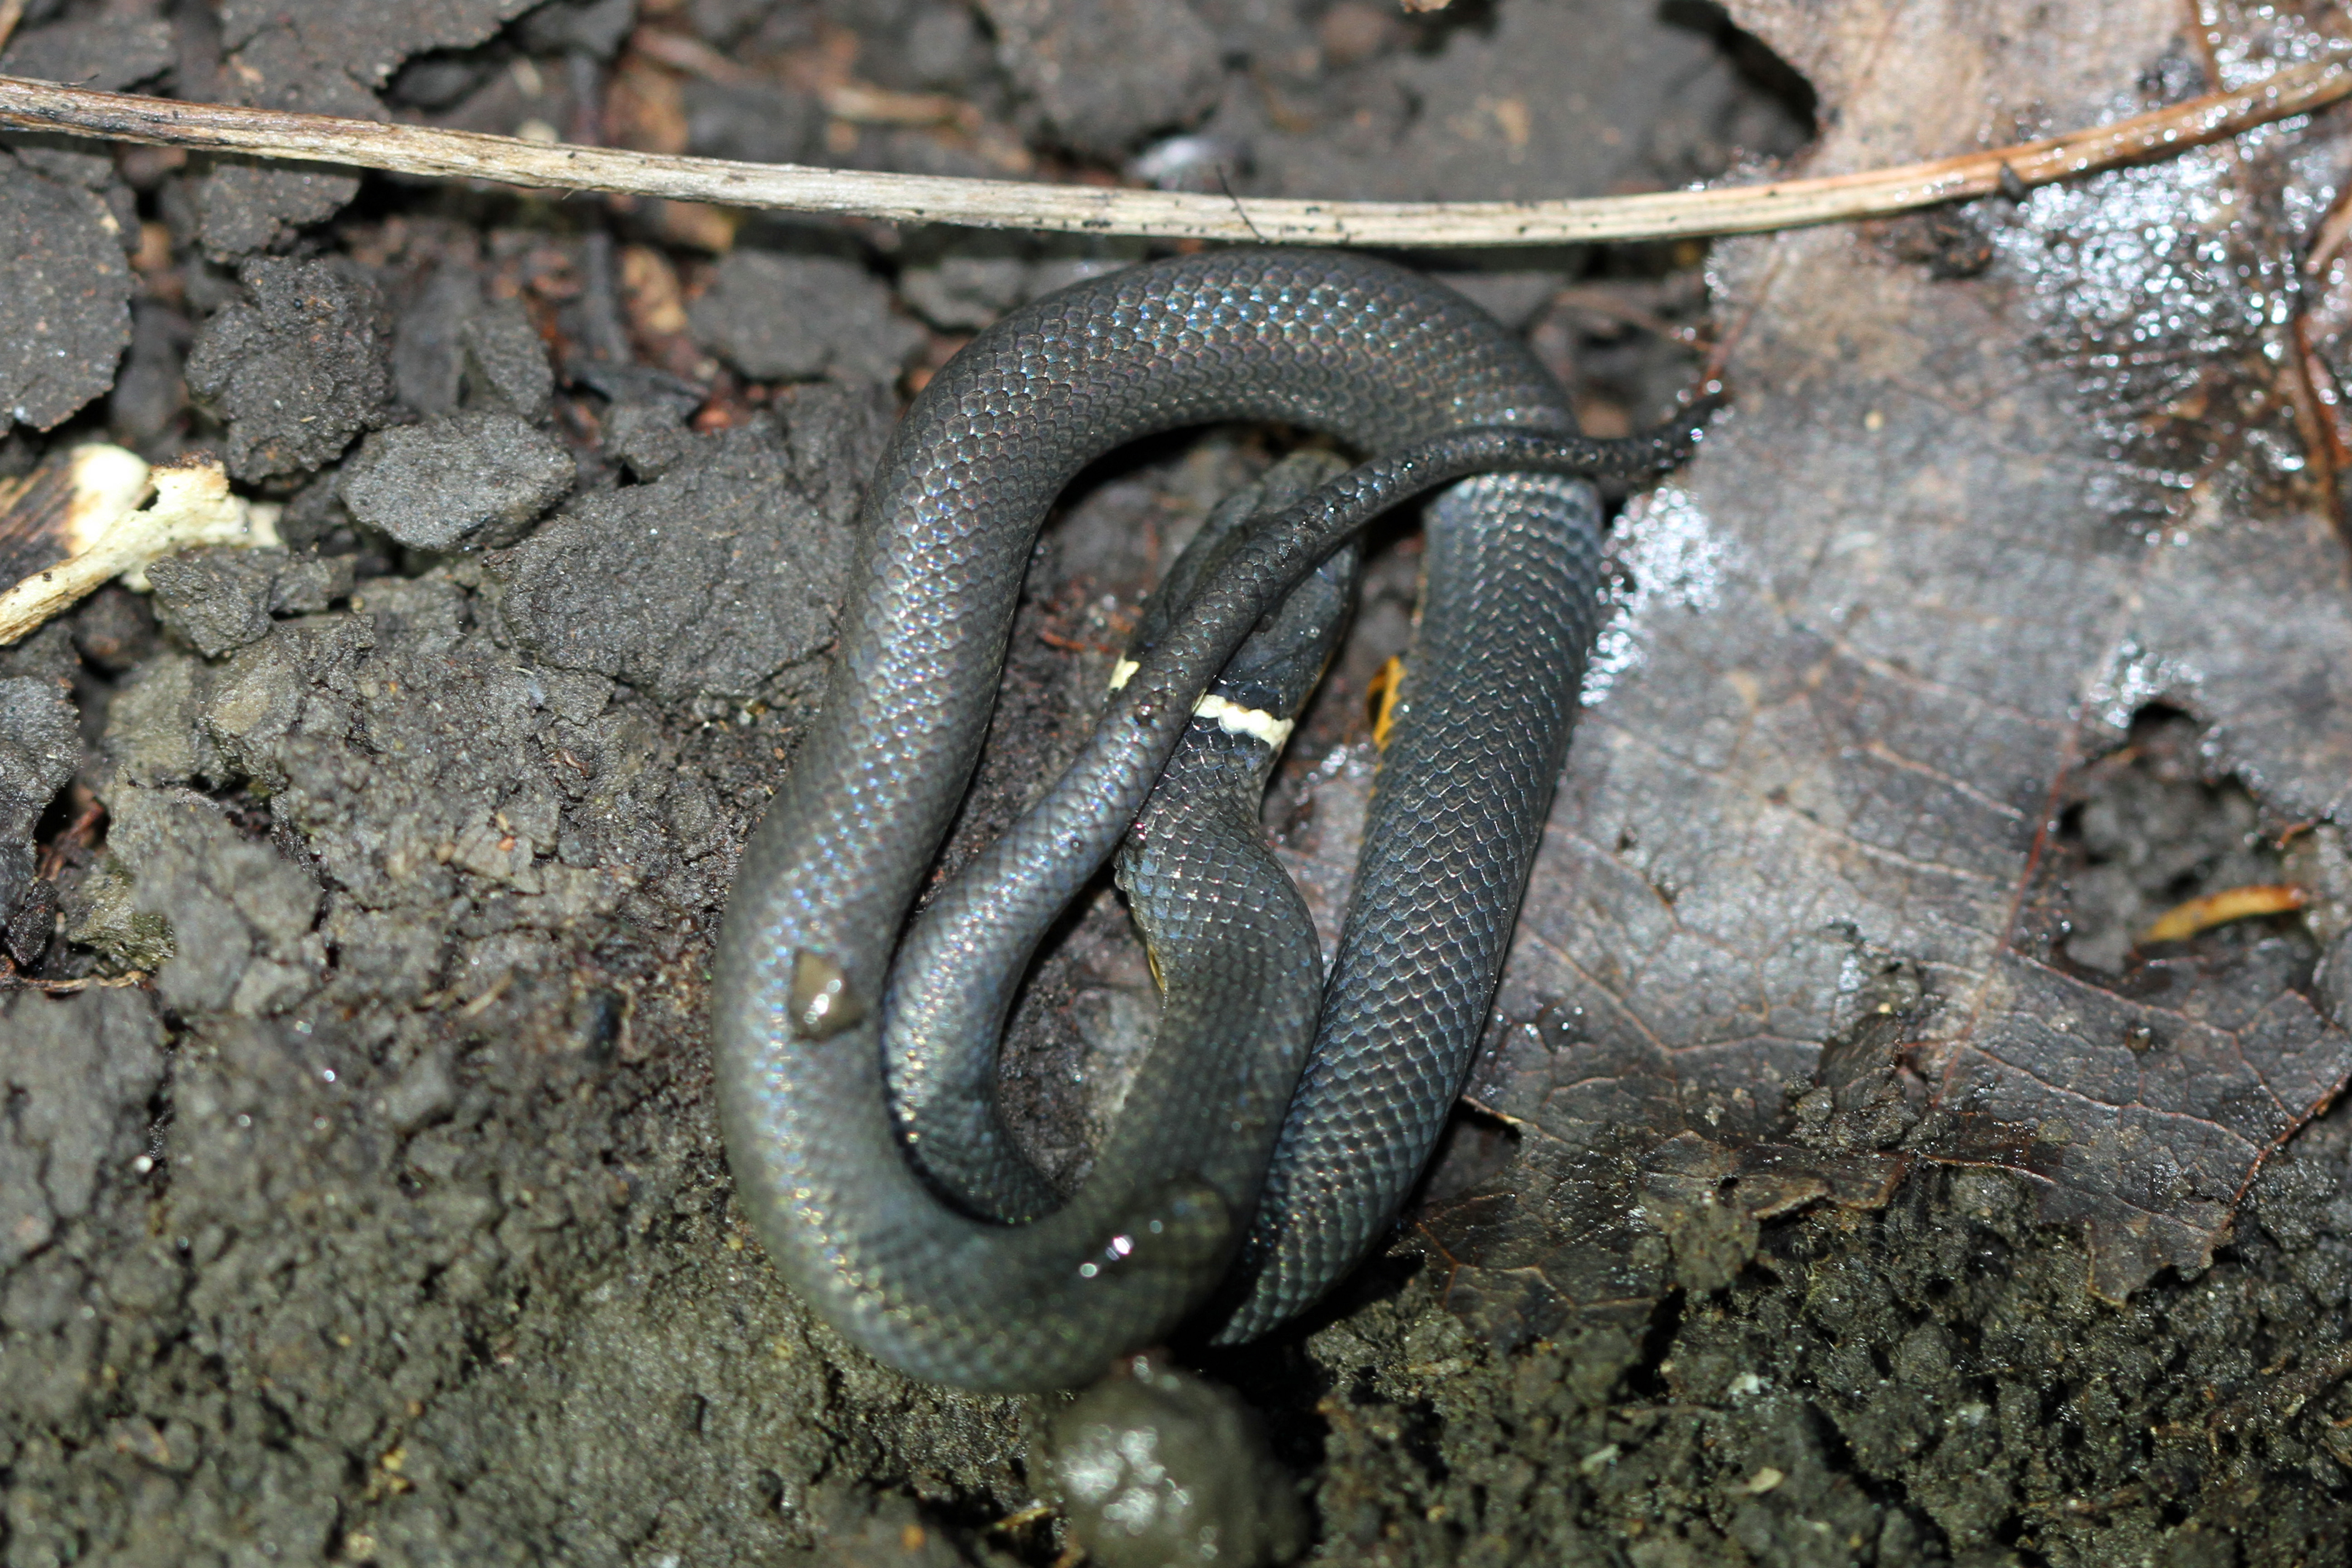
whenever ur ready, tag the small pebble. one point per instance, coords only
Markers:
(1155, 1467)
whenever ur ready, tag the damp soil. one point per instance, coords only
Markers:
(1848, 1180)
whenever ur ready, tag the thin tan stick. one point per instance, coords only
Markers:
(998, 203)
(11, 13)
(11, 980)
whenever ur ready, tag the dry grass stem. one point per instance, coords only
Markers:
(1168, 215)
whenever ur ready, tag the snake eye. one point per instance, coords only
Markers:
(822, 1001)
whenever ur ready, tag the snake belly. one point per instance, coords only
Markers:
(1358, 348)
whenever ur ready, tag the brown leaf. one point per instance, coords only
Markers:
(2143, 1123)
(1592, 1192)
(1962, 526)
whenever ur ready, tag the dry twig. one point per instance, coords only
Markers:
(14, 979)
(1000, 204)
(2182, 922)
(109, 539)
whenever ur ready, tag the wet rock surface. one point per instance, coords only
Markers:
(1849, 1180)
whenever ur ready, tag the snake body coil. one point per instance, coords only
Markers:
(1397, 366)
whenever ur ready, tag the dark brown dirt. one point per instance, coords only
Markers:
(1843, 1185)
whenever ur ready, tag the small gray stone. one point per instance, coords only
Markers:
(944, 48)
(435, 82)
(506, 361)
(759, 122)
(114, 629)
(422, 1095)
(428, 347)
(65, 297)
(965, 293)
(245, 207)
(649, 437)
(1106, 73)
(794, 318)
(295, 370)
(40, 746)
(105, 54)
(150, 394)
(32, 925)
(478, 479)
(217, 600)
(309, 583)
(1511, 298)
(70, 163)
(595, 27)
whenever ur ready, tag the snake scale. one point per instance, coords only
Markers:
(885, 1204)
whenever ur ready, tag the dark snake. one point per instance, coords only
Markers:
(1219, 1176)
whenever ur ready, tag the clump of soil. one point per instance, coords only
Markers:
(359, 1194)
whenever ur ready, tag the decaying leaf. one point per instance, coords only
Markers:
(1963, 523)
(1597, 1186)
(2141, 1119)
